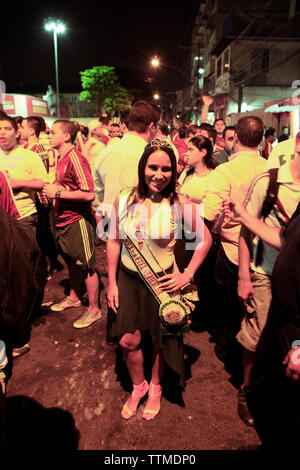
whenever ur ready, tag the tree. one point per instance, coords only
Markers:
(121, 100)
(101, 86)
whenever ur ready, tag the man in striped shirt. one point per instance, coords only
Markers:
(73, 191)
(29, 131)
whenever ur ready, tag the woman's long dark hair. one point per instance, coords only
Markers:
(142, 190)
(202, 142)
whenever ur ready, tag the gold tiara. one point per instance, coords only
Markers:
(160, 143)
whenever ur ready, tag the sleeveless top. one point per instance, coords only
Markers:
(151, 228)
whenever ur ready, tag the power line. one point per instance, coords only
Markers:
(245, 62)
(253, 21)
(187, 28)
(269, 68)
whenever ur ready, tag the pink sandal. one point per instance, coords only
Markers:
(139, 391)
(152, 407)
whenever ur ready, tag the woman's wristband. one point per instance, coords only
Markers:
(189, 272)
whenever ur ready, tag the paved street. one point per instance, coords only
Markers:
(68, 391)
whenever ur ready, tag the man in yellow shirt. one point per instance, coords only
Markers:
(27, 175)
(231, 179)
(25, 170)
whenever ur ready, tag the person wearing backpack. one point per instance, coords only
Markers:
(232, 178)
(273, 197)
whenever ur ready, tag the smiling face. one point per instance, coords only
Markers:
(115, 131)
(158, 172)
(219, 126)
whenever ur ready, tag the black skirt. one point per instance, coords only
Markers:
(139, 310)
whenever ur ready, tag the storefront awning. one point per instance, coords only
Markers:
(283, 105)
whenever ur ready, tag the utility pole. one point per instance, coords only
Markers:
(240, 98)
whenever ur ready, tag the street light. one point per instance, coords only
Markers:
(156, 96)
(57, 27)
(155, 62)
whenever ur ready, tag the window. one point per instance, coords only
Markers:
(219, 66)
(259, 60)
(226, 64)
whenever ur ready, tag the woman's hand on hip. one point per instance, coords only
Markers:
(175, 281)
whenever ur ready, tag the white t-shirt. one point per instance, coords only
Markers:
(116, 168)
(282, 153)
(193, 186)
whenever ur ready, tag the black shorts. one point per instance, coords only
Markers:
(77, 241)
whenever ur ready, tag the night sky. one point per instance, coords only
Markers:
(125, 35)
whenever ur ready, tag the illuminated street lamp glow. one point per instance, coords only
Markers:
(50, 26)
(57, 27)
(155, 62)
(60, 28)
(201, 71)
(156, 96)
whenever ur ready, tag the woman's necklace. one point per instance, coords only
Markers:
(156, 197)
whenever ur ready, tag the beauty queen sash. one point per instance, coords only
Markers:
(172, 310)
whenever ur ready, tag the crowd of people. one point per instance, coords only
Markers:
(194, 219)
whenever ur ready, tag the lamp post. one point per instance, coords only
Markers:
(57, 27)
(156, 63)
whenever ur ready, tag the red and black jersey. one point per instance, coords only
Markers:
(73, 172)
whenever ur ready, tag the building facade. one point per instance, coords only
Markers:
(245, 55)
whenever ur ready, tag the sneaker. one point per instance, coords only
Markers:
(3, 364)
(3, 357)
(87, 319)
(243, 410)
(64, 304)
(17, 352)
